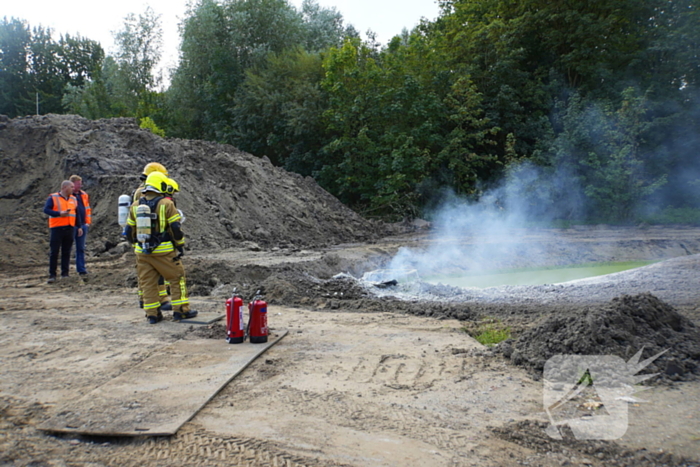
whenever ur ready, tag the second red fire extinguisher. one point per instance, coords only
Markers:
(235, 328)
(257, 320)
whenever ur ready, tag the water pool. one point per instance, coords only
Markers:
(535, 276)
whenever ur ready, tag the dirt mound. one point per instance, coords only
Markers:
(621, 328)
(531, 434)
(229, 197)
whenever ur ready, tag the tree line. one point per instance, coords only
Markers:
(588, 109)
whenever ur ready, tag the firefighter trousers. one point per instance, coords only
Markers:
(150, 268)
(163, 293)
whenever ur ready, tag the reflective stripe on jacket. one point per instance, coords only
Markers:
(62, 204)
(85, 198)
(163, 223)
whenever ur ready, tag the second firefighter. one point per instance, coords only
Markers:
(154, 228)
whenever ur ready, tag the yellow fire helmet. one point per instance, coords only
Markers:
(153, 167)
(173, 187)
(158, 182)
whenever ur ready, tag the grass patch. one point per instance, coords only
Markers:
(674, 216)
(488, 331)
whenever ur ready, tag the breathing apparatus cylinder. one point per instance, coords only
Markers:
(257, 316)
(143, 223)
(124, 203)
(235, 328)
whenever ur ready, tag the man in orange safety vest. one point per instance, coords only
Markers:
(86, 212)
(62, 209)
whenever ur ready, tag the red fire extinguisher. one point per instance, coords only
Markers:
(257, 320)
(235, 329)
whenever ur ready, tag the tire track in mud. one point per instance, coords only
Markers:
(341, 409)
(200, 448)
(20, 442)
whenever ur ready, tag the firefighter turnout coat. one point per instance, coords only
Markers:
(159, 258)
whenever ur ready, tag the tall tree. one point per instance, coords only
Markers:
(126, 84)
(397, 130)
(278, 110)
(48, 73)
(35, 66)
(219, 42)
(324, 27)
(15, 39)
(139, 46)
(206, 76)
(602, 148)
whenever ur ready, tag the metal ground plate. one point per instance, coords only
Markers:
(160, 394)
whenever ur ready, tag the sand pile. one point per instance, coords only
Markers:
(230, 198)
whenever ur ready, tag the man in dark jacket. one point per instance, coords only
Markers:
(62, 209)
(85, 211)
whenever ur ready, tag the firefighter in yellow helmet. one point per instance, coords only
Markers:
(148, 169)
(153, 167)
(173, 188)
(158, 244)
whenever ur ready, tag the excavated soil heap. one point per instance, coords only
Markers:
(531, 434)
(229, 197)
(621, 327)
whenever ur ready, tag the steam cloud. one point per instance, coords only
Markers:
(492, 233)
(472, 237)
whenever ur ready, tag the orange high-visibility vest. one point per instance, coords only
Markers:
(61, 204)
(88, 209)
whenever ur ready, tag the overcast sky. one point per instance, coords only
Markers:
(98, 19)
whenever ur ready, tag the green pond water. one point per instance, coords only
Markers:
(535, 276)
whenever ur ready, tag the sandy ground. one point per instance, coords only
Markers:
(342, 388)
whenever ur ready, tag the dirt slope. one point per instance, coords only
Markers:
(228, 196)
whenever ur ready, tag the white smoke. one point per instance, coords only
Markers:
(493, 233)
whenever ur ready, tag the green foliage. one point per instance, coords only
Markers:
(148, 124)
(398, 126)
(258, 27)
(206, 76)
(133, 80)
(489, 332)
(603, 147)
(671, 215)
(125, 85)
(278, 110)
(34, 65)
(220, 41)
(139, 44)
(15, 90)
(99, 97)
(323, 27)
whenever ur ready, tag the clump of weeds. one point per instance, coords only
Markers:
(488, 331)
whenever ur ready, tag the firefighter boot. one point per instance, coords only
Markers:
(155, 319)
(177, 316)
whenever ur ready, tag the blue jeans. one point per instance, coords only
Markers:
(80, 250)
